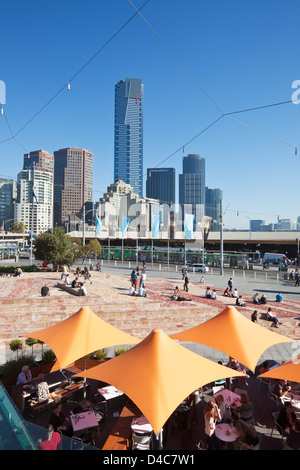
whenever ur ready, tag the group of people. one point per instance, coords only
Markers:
(135, 274)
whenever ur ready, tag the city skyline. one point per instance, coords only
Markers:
(235, 71)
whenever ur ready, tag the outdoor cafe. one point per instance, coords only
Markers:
(139, 399)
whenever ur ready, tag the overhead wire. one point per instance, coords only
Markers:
(75, 75)
(223, 114)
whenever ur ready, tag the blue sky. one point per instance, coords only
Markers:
(244, 54)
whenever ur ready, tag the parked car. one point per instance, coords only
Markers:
(200, 268)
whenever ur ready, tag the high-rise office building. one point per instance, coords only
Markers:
(128, 133)
(192, 186)
(8, 194)
(73, 183)
(213, 205)
(40, 159)
(34, 206)
(160, 184)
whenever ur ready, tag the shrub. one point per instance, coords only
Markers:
(120, 351)
(101, 354)
(14, 366)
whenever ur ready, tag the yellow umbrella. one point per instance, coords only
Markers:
(289, 370)
(234, 335)
(158, 374)
(79, 335)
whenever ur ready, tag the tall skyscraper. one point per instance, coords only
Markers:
(73, 182)
(128, 133)
(192, 185)
(160, 184)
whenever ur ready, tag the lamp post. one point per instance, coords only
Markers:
(3, 226)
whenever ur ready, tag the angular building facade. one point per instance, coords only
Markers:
(40, 159)
(73, 183)
(128, 133)
(160, 185)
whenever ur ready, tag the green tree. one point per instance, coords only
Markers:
(93, 247)
(15, 345)
(18, 227)
(55, 248)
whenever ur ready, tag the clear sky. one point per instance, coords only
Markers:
(227, 55)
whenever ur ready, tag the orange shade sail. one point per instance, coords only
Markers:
(158, 374)
(79, 335)
(289, 370)
(233, 334)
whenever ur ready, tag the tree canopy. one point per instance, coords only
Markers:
(55, 248)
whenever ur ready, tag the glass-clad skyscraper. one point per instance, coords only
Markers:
(128, 134)
(192, 186)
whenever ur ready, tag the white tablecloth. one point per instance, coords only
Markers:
(141, 425)
(225, 432)
(84, 420)
(110, 392)
(229, 397)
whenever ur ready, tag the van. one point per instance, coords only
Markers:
(200, 268)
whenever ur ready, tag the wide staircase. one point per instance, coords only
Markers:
(20, 316)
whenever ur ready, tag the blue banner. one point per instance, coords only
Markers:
(155, 225)
(98, 227)
(124, 225)
(189, 225)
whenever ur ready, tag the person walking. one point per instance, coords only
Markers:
(230, 284)
(186, 282)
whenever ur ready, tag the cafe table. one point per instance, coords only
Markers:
(84, 420)
(294, 399)
(109, 392)
(226, 432)
(141, 425)
(229, 397)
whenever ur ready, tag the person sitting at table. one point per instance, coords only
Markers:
(208, 293)
(42, 389)
(224, 410)
(25, 376)
(263, 299)
(211, 414)
(232, 363)
(286, 419)
(239, 302)
(245, 410)
(293, 438)
(53, 440)
(246, 434)
(60, 422)
(281, 388)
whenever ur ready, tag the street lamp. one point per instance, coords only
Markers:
(3, 225)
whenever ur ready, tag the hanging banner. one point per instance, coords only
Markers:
(189, 225)
(124, 225)
(98, 227)
(155, 225)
